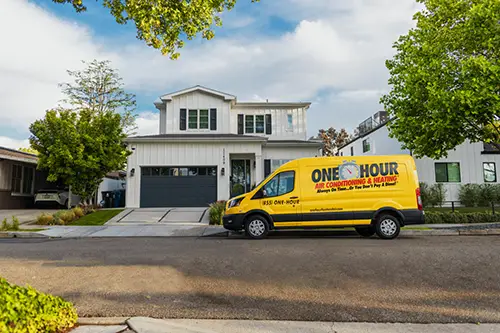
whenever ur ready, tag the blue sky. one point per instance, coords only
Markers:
(328, 52)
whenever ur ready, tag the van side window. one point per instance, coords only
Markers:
(280, 184)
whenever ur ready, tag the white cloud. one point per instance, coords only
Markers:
(13, 143)
(334, 57)
(147, 123)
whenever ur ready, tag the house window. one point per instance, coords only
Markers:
(352, 151)
(447, 172)
(179, 171)
(259, 124)
(489, 172)
(198, 119)
(289, 119)
(275, 164)
(203, 119)
(249, 124)
(22, 179)
(366, 146)
(193, 119)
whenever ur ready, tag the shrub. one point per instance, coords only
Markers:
(469, 195)
(216, 211)
(487, 195)
(44, 219)
(78, 212)
(6, 226)
(460, 218)
(237, 189)
(67, 217)
(432, 195)
(88, 209)
(24, 309)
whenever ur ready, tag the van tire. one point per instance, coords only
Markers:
(256, 227)
(365, 231)
(387, 226)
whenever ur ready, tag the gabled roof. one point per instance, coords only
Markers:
(16, 155)
(169, 96)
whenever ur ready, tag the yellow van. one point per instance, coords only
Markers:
(373, 194)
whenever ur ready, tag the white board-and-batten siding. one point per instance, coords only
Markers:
(227, 116)
(173, 154)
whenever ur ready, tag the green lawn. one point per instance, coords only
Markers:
(31, 230)
(98, 217)
(462, 209)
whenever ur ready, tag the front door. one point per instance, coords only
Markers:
(281, 199)
(240, 177)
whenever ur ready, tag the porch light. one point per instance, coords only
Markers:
(132, 172)
(254, 164)
(222, 171)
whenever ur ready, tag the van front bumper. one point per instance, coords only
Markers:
(233, 221)
(413, 216)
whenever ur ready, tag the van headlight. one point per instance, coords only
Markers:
(234, 203)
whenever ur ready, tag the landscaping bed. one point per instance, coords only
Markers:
(78, 216)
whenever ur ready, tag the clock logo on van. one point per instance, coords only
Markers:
(349, 170)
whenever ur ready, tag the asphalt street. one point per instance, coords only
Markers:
(419, 280)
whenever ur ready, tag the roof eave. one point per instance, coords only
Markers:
(184, 139)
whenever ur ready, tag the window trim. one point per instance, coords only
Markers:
(21, 193)
(253, 123)
(447, 173)
(254, 117)
(198, 120)
(494, 172)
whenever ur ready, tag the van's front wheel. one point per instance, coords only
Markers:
(387, 227)
(365, 231)
(256, 227)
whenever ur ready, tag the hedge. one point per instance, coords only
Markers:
(216, 211)
(460, 218)
(26, 310)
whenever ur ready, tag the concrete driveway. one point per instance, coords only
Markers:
(24, 215)
(161, 216)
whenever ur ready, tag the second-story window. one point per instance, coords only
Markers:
(366, 146)
(254, 124)
(289, 122)
(249, 124)
(198, 119)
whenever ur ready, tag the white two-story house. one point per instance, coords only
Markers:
(211, 147)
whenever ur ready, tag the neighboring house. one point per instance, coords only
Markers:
(19, 179)
(476, 163)
(211, 147)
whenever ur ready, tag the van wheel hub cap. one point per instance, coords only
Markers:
(256, 227)
(388, 227)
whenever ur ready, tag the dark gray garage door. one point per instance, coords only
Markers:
(178, 186)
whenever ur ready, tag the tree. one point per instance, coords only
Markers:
(99, 88)
(161, 23)
(445, 78)
(79, 148)
(333, 140)
(28, 150)
(79, 144)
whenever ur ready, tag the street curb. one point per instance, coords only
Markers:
(22, 234)
(429, 233)
(104, 321)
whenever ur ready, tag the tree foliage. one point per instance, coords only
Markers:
(28, 150)
(78, 145)
(332, 140)
(163, 23)
(99, 88)
(445, 78)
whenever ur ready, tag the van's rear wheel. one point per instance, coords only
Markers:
(387, 227)
(365, 231)
(256, 227)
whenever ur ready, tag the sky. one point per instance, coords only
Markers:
(328, 52)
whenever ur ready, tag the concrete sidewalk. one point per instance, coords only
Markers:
(150, 325)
